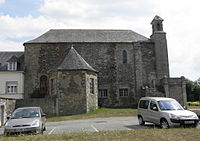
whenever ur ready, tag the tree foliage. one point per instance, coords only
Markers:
(193, 90)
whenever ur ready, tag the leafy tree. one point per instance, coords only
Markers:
(193, 90)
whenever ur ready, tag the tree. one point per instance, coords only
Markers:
(192, 90)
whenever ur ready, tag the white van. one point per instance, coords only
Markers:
(166, 112)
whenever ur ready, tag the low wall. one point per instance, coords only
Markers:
(48, 105)
(175, 88)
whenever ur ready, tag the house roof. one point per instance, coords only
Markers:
(73, 61)
(10, 56)
(88, 35)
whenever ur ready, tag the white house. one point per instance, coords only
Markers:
(11, 81)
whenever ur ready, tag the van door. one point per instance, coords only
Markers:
(154, 114)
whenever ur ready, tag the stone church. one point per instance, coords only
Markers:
(117, 66)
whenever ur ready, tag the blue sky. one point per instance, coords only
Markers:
(23, 20)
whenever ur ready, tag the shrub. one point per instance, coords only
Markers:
(196, 103)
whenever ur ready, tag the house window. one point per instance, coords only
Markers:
(52, 86)
(11, 87)
(103, 93)
(124, 57)
(43, 86)
(92, 85)
(123, 92)
(12, 65)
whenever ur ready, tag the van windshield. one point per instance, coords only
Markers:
(169, 105)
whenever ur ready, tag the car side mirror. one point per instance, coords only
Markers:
(8, 116)
(155, 108)
(184, 107)
(43, 115)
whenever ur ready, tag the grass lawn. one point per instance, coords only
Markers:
(177, 134)
(98, 113)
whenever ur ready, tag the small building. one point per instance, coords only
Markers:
(73, 83)
(11, 81)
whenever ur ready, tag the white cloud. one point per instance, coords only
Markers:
(2, 1)
(6, 45)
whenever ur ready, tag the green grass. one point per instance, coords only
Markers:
(177, 134)
(98, 113)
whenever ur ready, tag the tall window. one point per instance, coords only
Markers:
(43, 85)
(103, 93)
(52, 86)
(124, 57)
(11, 87)
(123, 92)
(12, 65)
(92, 85)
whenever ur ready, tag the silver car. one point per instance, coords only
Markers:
(166, 112)
(25, 120)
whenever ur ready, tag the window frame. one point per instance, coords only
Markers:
(91, 85)
(103, 93)
(12, 66)
(11, 87)
(123, 92)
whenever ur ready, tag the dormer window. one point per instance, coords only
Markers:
(12, 66)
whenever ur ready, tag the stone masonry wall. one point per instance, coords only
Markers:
(92, 98)
(71, 92)
(106, 58)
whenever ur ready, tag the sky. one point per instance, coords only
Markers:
(24, 20)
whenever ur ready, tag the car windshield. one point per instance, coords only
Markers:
(169, 105)
(25, 113)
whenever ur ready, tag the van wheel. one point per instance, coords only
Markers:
(140, 120)
(164, 124)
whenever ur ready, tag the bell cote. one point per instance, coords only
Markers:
(157, 24)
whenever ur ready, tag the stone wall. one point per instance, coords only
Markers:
(175, 88)
(48, 105)
(106, 58)
(92, 98)
(7, 106)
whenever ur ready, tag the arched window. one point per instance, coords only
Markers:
(124, 57)
(43, 86)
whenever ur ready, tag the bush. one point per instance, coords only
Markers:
(196, 103)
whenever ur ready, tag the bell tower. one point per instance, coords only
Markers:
(159, 38)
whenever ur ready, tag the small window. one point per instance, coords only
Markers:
(124, 57)
(52, 84)
(92, 85)
(11, 87)
(43, 86)
(12, 65)
(144, 104)
(123, 92)
(103, 93)
(153, 106)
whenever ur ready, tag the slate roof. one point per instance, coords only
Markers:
(11, 56)
(88, 35)
(73, 61)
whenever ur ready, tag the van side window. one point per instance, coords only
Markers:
(144, 104)
(153, 106)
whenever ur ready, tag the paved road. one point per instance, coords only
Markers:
(96, 125)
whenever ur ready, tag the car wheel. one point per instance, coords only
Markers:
(140, 120)
(164, 124)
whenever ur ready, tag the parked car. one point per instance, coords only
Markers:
(26, 120)
(166, 112)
